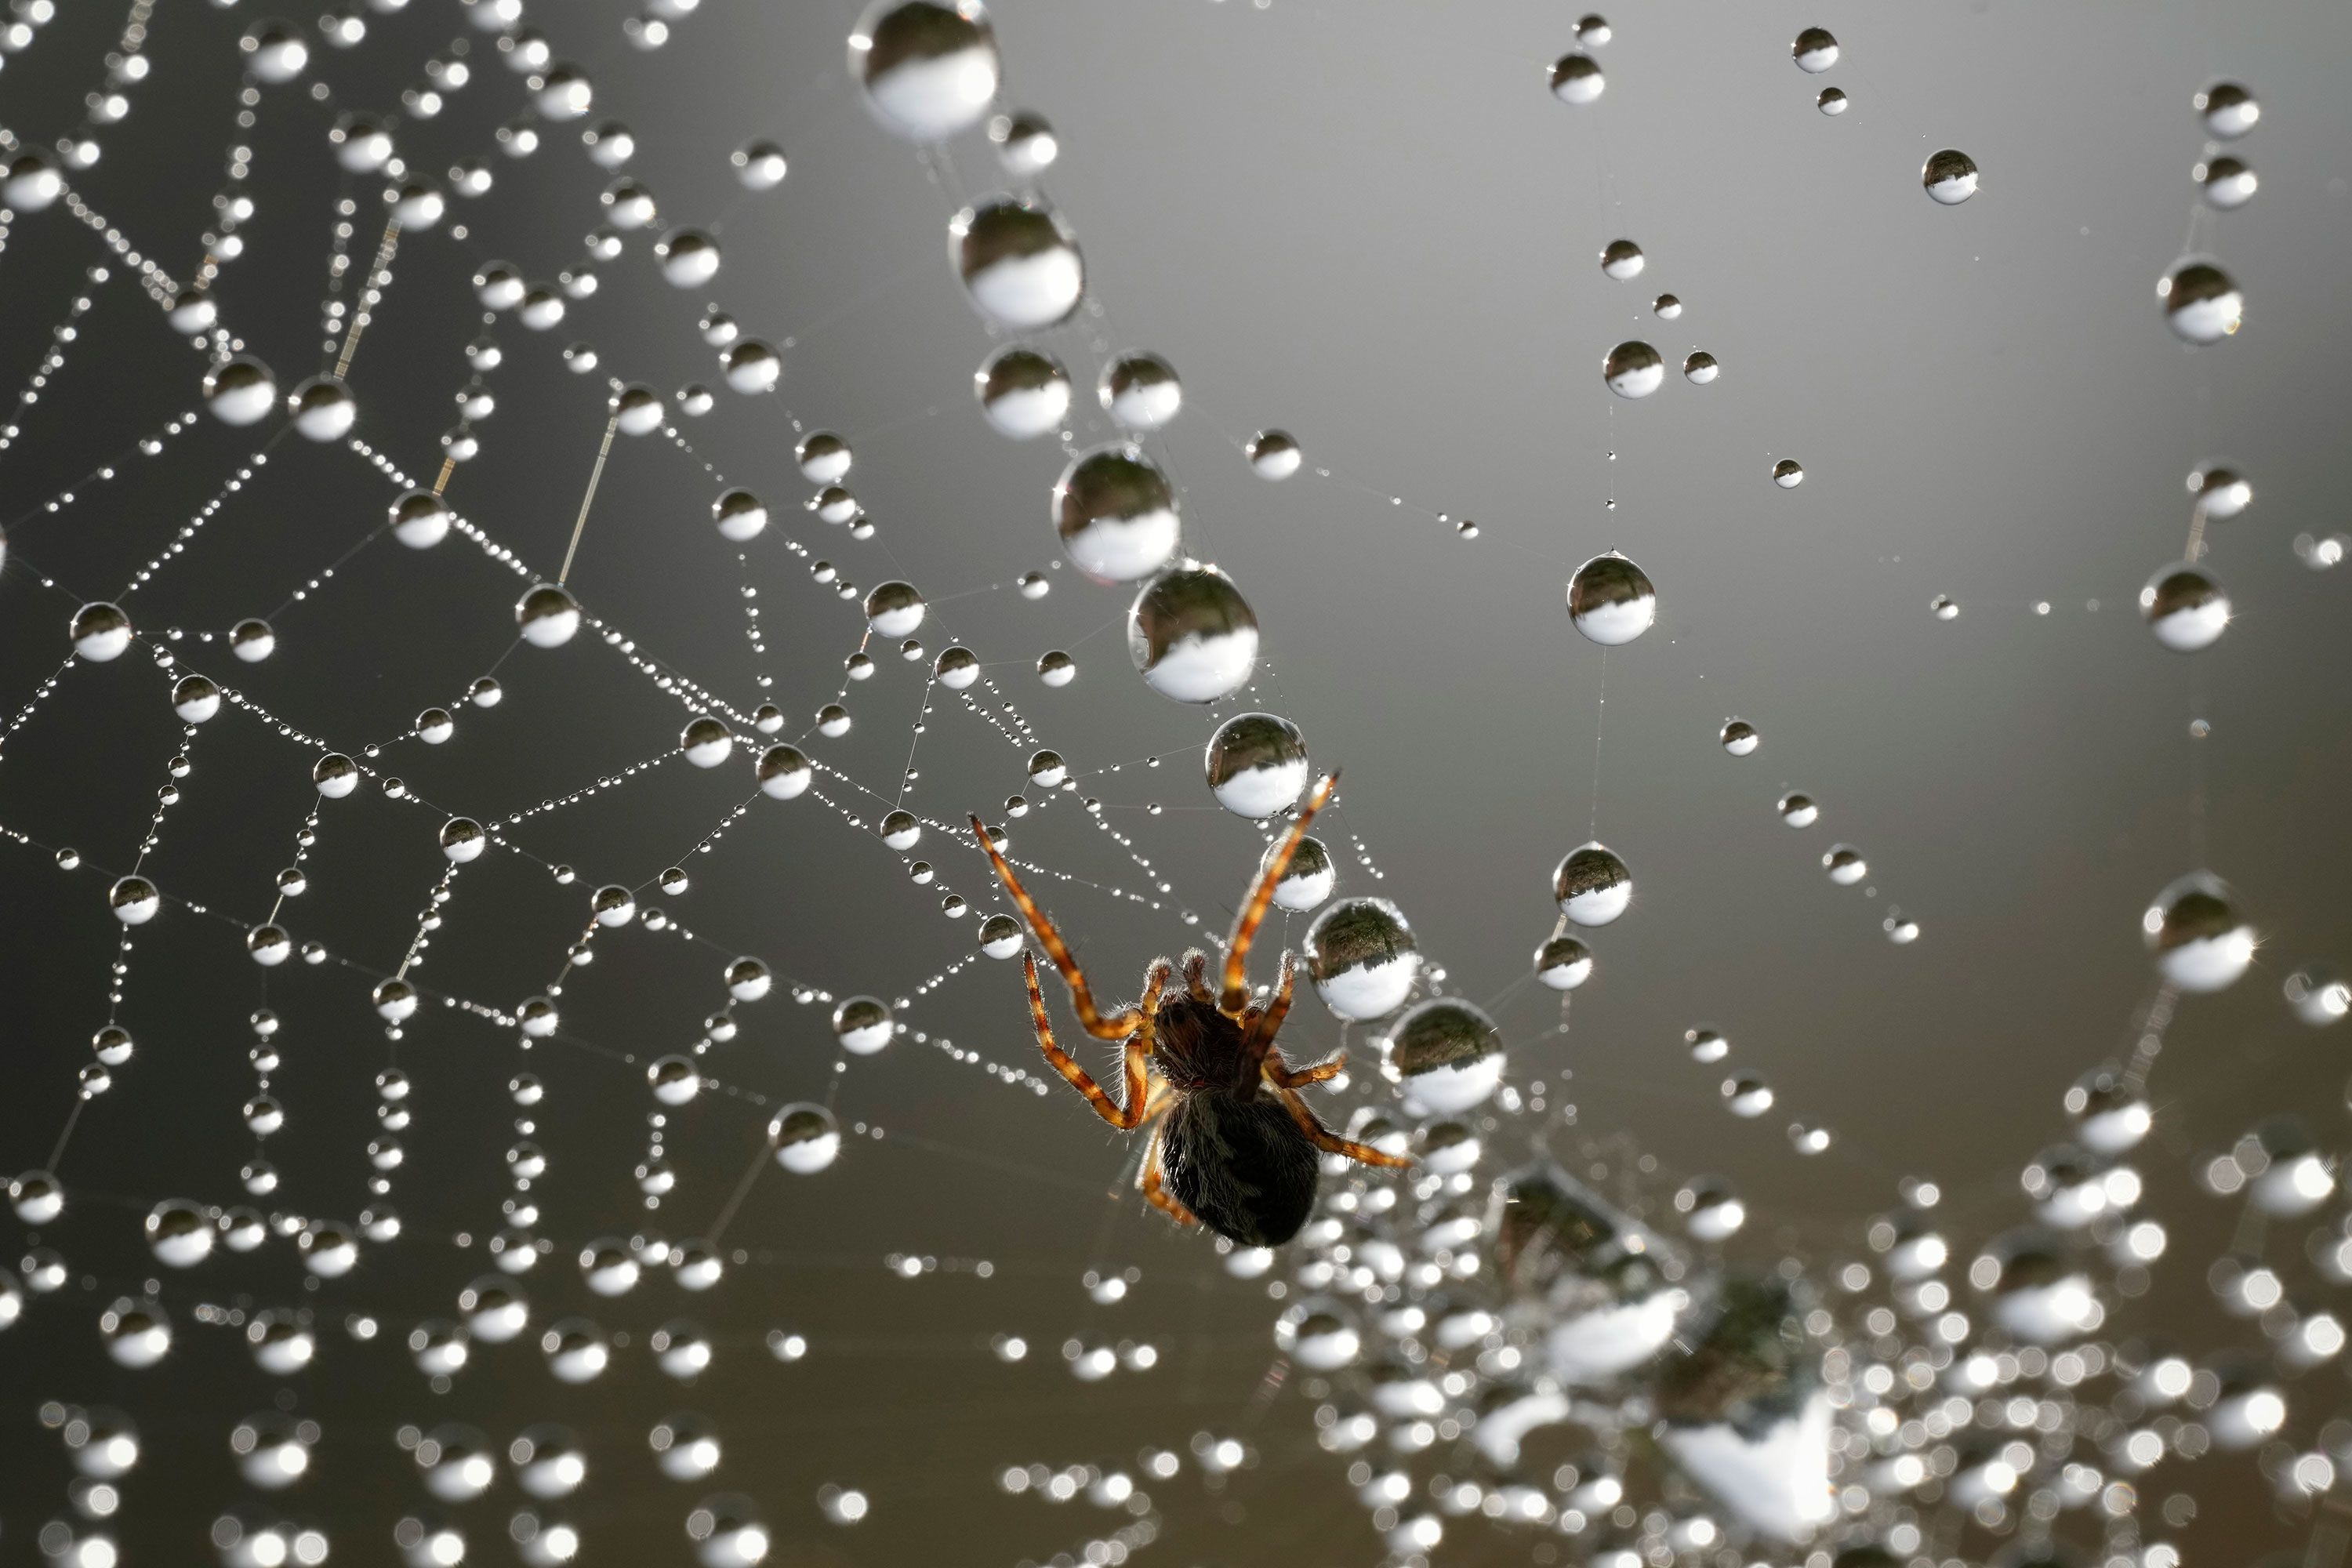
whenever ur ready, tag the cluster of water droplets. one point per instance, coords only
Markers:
(1537, 1330)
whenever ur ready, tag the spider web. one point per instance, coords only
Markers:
(944, 1307)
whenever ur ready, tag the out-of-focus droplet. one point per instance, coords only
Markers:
(2185, 607)
(2219, 493)
(1575, 79)
(1019, 263)
(758, 165)
(2201, 304)
(930, 71)
(2226, 182)
(1025, 144)
(1116, 513)
(2227, 109)
(2199, 940)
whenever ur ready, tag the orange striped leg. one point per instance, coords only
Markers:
(1331, 1142)
(1253, 909)
(1155, 1188)
(1119, 1025)
(1158, 1097)
(1196, 971)
(1282, 1075)
(1258, 1031)
(1130, 1112)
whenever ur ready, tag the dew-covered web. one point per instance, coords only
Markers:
(515, 1049)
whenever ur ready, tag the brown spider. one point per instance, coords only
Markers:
(1199, 1065)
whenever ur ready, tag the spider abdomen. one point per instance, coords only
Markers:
(1241, 1164)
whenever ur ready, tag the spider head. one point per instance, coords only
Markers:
(1198, 1047)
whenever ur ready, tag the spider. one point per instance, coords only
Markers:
(1234, 1145)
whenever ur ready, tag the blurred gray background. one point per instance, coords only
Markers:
(1369, 225)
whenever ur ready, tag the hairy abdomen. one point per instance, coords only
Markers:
(1241, 1165)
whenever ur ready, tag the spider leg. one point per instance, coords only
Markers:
(1155, 1187)
(1331, 1142)
(1282, 1075)
(1258, 1033)
(1196, 969)
(1119, 1025)
(1158, 1097)
(1129, 1113)
(1253, 912)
